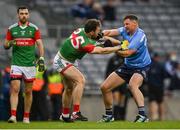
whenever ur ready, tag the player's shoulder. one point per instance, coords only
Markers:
(140, 31)
(121, 29)
(33, 25)
(13, 26)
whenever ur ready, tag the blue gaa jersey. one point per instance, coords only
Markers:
(138, 42)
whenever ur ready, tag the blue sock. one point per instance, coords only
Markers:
(141, 110)
(109, 112)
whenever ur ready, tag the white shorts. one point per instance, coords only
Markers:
(60, 64)
(19, 72)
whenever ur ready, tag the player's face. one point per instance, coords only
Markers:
(95, 33)
(23, 15)
(130, 25)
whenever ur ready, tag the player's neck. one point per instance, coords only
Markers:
(133, 31)
(88, 35)
(23, 24)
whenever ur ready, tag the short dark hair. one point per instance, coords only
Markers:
(21, 7)
(91, 25)
(131, 17)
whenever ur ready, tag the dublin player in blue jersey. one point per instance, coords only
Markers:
(134, 69)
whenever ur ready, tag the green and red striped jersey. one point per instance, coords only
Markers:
(77, 45)
(23, 53)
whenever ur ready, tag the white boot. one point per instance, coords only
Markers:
(12, 119)
(26, 120)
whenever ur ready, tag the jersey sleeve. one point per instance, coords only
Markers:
(137, 42)
(88, 48)
(8, 35)
(37, 35)
(121, 30)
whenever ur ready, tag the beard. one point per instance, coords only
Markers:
(94, 38)
(23, 20)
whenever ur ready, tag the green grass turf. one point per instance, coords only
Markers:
(91, 125)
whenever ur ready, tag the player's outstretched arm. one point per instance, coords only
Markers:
(114, 41)
(112, 32)
(106, 50)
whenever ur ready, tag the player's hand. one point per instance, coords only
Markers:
(41, 66)
(100, 35)
(12, 43)
(124, 45)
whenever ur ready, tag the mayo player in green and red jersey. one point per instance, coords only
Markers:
(80, 42)
(22, 37)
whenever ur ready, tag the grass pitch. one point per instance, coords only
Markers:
(92, 125)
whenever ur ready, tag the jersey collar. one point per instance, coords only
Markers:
(23, 27)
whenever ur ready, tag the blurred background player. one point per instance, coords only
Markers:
(53, 81)
(137, 63)
(22, 37)
(155, 82)
(39, 97)
(81, 42)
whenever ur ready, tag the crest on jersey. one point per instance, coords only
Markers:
(22, 32)
(30, 32)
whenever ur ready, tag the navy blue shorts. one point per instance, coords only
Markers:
(126, 73)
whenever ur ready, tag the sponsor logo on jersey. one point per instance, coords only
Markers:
(25, 41)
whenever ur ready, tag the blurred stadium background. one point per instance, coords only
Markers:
(160, 19)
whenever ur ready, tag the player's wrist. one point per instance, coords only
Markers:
(119, 47)
(41, 58)
(11, 43)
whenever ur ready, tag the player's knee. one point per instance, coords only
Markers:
(28, 91)
(69, 91)
(81, 80)
(15, 90)
(132, 87)
(104, 88)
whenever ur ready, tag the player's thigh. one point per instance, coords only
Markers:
(112, 81)
(16, 76)
(136, 80)
(72, 73)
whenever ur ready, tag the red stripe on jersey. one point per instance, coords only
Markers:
(88, 48)
(8, 35)
(37, 35)
(25, 41)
